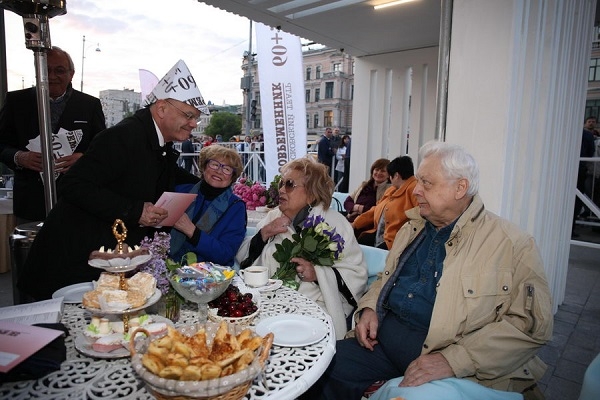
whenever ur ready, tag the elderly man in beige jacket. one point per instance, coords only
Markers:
(463, 294)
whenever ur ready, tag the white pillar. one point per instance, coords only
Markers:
(517, 86)
(394, 96)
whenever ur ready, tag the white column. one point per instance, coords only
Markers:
(517, 86)
(394, 96)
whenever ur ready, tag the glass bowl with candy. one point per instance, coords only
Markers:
(201, 283)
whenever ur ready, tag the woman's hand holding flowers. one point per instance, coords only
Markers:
(305, 269)
(275, 227)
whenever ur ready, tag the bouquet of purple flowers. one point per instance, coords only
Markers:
(157, 266)
(317, 242)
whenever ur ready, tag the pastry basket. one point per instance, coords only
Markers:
(229, 387)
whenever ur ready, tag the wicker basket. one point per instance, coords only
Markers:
(230, 387)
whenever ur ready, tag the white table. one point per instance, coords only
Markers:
(289, 371)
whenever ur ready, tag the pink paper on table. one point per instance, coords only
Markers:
(175, 204)
(18, 342)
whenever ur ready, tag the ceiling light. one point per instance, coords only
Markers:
(392, 3)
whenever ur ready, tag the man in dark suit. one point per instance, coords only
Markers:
(124, 172)
(324, 151)
(70, 109)
(188, 147)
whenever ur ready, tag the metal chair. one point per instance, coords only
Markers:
(337, 202)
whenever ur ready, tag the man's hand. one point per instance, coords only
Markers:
(152, 215)
(427, 368)
(366, 329)
(31, 160)
(63, 164)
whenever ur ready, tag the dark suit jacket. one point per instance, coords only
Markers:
(324, 152)
(19, 124)
(123, 168)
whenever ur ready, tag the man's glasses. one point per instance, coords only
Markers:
(289, 185)
(215, 166)
(189, 115)
(58, 71)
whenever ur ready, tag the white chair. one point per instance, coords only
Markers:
(375, 259)
(251, 230)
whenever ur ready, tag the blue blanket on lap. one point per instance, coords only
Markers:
(447, 389)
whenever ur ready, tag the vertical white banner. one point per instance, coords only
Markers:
(282, 106)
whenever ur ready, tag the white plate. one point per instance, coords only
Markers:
(73, 294)
(120, 264)
(84, 347)
(272, 284)
(153, 299)
(292, 330)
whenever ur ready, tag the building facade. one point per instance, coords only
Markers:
(118, 104)
(329, 92)
(592, 105)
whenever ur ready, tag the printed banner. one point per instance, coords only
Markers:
(282, 106)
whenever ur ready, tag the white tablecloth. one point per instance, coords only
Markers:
(289, 371)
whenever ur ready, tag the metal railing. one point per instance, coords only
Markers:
(590, 200)
(252, 160)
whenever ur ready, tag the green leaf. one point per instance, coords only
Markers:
(310, 244)
(171, 265)
(295, 250)
(325, 261)
(189, 258)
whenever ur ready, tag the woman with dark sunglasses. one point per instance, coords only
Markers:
(214, 225)
(306, 190)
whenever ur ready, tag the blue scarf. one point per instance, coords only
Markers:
(207, 221)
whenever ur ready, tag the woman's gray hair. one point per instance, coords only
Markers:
(456, 162)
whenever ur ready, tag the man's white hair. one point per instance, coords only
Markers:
(456, 162)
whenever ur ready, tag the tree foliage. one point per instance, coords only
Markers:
(225, 124)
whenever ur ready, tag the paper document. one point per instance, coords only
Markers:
(64, 144)
(18, 342)
(47, 311)
(175, 204)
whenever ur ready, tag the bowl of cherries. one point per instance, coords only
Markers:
(234, 306)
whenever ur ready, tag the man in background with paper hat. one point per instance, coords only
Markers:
(125, 170)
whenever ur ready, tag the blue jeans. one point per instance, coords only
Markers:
(353, 368)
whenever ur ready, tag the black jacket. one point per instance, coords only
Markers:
(19, 124)
(123, 168)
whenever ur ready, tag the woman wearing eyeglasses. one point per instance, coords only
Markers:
(214, 225)
(306, 189)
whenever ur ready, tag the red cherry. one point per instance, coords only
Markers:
(237, 313)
